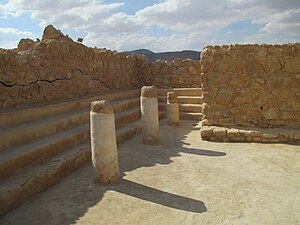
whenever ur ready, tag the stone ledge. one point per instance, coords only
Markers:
(250, 134)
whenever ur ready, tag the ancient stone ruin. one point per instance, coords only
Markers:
(238, 93)
(253, 86)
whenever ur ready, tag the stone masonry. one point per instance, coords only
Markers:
(162, 74)
(251, 86)
(58, 68)
(245, 87)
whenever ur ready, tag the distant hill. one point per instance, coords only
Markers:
(169, 56)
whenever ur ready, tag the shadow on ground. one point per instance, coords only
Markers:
(70, 199)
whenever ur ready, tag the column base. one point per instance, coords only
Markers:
(104, 180)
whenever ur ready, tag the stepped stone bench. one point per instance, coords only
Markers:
(249, 134)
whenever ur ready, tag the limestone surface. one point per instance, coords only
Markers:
(102, 106)
(251, 85)
(184, 180)
(172, 97)
(149, 92)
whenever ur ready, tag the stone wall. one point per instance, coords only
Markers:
(163, 74)
(251, 86)
(58, 68)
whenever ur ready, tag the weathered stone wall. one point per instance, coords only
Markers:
(58, 68)
(163, 74)
(251, 85)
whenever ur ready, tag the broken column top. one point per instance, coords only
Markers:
(171, 97)
(149, 91)
(102, 106)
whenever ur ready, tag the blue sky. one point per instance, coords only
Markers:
(158, 25)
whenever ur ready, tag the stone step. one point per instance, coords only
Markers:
(127, 116)
(17, 158)
(190, 99)
(189, 108)
(190, 116)
(183, 99)
(128, 131)
(33, 179)
(23, 133)
(188, 91)
(197, 108)
(24, 115)
(181, 91)
(133, 129)
(124, 104)
(39, 176)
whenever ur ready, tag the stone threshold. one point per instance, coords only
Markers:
(250, 134)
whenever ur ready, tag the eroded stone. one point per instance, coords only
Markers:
(102, 107)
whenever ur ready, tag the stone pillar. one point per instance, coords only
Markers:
(149, 111)
(103, 143)
(172, 109)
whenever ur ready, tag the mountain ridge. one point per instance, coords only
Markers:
(168, 56)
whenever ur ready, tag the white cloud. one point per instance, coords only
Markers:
(285, 22)
(266, 38)
(184, 24)
(9, 37)
(155, 43)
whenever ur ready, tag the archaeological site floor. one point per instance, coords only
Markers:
(183, 180)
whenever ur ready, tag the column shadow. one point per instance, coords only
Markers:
(159, 197)
(70, 199)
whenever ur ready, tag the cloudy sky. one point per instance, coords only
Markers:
(158, 25)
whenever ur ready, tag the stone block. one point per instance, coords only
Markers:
(226, 121)
(256, 139)
(265, 140)
(270, 135)
(245, 133)
(284, 136)
(242, 100)
(274, 140)
(296, 135)
(220, 131)
(233, 132)
(248, 139)
(270, 114)
(207, 65)
(292, 66)
(237, 139)
(206, 131)
(223, 97)
(255, 133)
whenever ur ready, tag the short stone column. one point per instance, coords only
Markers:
(149, 111)
(172, 109)
(103, 143)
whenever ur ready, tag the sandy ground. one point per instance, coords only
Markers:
(182, 181)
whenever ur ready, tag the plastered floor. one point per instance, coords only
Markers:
(182, 181)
